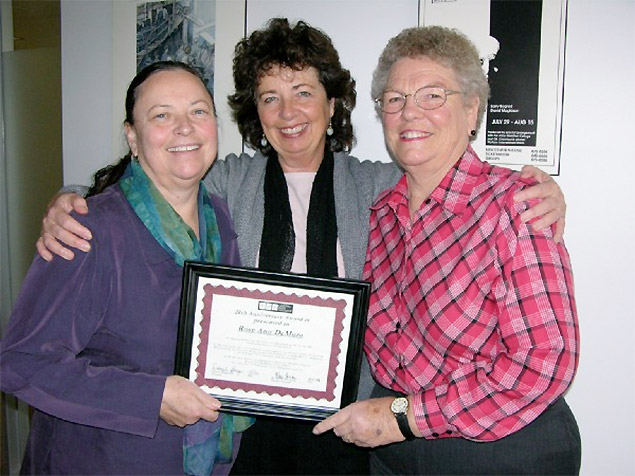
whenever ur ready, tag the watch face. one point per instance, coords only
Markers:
(399, 405)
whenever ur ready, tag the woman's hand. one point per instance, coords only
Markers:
(184, 403)
(58, 224)
(552, 207)
(367, 423)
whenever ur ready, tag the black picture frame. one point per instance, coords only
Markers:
(261, 303)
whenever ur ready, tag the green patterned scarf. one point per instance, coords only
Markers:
(203, 443)
(167, 226)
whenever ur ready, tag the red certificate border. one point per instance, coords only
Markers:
(336, 344)
(273, 399)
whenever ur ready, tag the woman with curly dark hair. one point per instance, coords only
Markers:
(308, 201)
(300, 203)
(294, 48)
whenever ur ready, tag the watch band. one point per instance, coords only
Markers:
(404, 426)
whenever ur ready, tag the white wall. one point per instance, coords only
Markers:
(87, 39)
(597, 165)
(597, 161)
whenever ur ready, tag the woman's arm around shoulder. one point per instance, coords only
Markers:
(552, 206)
(226, 173)
(370, 176)
(59, 228)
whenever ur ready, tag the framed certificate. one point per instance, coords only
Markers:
(273, 344)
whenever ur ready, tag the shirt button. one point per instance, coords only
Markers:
(448, 432)
(435, 435)
(398, 325)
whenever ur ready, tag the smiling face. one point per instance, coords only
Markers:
(427, 142)
(174, 133)
(294, 113)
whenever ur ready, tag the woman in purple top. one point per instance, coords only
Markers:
(91, 342)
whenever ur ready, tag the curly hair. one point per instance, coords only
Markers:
(449, 47)
(293, 46)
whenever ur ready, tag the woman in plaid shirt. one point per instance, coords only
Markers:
(472, 329)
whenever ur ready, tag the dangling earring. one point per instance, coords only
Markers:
(329, 131)
(133, 157)
(472, 132)
(263, 141)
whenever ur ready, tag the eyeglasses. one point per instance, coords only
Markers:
(427, 98)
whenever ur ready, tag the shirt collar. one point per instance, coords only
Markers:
(453, 192)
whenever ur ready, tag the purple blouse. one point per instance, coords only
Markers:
(90, 343)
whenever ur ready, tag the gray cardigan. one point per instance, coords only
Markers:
(240, 181)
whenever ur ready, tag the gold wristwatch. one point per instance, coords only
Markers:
(399, 408)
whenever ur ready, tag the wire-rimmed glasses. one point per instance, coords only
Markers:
(427, 98)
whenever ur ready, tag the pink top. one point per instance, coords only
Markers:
(299, 185)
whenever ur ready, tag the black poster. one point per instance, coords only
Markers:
(512, 115)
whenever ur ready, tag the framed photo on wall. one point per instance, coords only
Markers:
(178, 30)
(202, 33)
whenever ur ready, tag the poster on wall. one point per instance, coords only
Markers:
(521, 44)
(179, 30)
(202, 33)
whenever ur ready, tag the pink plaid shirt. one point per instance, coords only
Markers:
(471, 311)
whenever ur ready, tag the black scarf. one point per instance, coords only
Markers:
(277, 246)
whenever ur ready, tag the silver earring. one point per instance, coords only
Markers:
(263, 141)
(329, 131)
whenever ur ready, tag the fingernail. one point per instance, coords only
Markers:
(85, 247)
